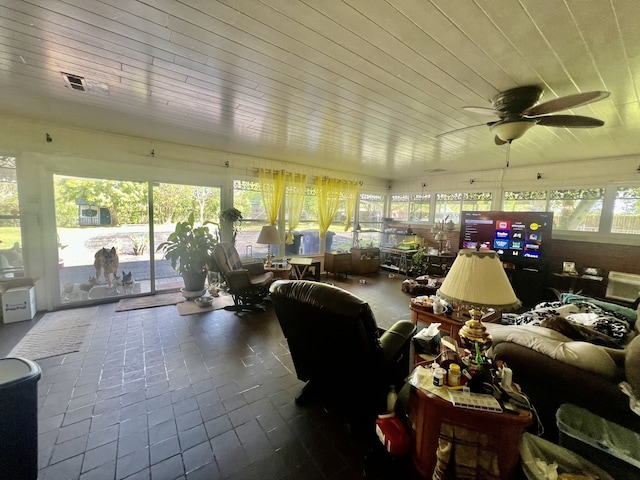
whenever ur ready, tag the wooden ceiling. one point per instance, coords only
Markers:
(355, 85)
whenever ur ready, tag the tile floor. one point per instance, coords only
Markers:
(153, 395)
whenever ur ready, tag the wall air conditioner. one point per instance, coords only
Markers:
(623, 286)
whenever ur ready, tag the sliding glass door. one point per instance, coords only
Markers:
(102, 233)
(174, 203)
(106, 241)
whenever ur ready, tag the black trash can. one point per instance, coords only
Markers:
(19, 418)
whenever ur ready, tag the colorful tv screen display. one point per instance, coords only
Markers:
(518, 237)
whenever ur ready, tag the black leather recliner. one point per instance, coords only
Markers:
(337, 347)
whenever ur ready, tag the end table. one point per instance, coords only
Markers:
(427, 412)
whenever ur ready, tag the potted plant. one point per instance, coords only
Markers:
(189, 249)
(231, 218)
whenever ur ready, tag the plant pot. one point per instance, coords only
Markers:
(193, 281)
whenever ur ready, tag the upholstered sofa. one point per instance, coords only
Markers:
(587, 370)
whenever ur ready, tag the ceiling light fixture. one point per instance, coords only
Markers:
(508, 131)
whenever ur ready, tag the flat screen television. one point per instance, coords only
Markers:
(519, 238)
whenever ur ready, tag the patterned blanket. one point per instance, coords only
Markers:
(585, 316)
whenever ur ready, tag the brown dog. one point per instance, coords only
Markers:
(107, 261)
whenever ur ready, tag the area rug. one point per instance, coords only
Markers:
(190, 307)
(57, 333)
(149, 301)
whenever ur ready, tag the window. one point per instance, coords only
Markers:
(370, 214)
(400, 207)
(11, 263)
(309, 226)
(535, 201)
(341, 239)
(451, 204)
(247, 197)
(419, 207)
(577, 210)
(626, 211)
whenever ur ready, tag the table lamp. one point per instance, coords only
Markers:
(477, 279)
(268, 236)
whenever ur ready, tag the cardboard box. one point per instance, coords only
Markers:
(18, 304)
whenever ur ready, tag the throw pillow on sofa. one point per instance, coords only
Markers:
(576, 331)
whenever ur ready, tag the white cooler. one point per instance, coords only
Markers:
(18, 304)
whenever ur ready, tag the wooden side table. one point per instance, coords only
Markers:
(427, 412)
(337, 263)
(280, 273)
(448, 324)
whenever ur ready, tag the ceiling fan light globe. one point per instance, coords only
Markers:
(508, 131)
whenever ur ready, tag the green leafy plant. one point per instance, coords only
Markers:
(420, 262)
(232, 218)
(189, 248)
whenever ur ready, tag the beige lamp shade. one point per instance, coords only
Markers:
(477, 279)
(268, 235)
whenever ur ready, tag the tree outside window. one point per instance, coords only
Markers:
(577, 210)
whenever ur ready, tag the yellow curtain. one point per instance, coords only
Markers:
(328, 191)
(272, 186)
(350, 195)
(296, 191)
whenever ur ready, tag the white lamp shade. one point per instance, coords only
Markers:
(477, 278)
(268, 235)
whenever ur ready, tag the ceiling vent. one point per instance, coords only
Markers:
(74, 82)
(81, 84)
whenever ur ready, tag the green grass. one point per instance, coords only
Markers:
(9, 236)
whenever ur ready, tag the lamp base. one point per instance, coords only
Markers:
(474, 332)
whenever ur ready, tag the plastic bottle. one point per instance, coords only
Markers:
(439, 377)
(392, 397)
(454, 375)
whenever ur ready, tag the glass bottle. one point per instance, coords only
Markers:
(392, 397)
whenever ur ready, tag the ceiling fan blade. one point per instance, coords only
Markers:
(499, 141)
(458, 130)
(569, 121)
(564, 103)
(483, 111)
